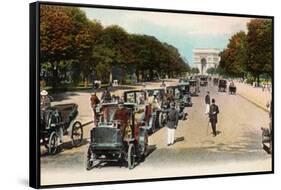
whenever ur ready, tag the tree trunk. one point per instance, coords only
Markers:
(110, 75)
(150, 74)
(55, 75)
(258, 80)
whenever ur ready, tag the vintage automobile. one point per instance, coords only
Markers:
(194, 87)
(183, 80)
(142, 101)
(178, 98)
(60, 118)
(215, 81)
(222, 85)
(137, 97)
(203, 81)
(158, 92)
(232, 88)
(185, 93)
(118, 137)
(266, 140)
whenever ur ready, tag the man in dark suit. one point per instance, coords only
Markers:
(173, 118)
(213, 115)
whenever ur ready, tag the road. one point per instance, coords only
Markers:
(236, 149)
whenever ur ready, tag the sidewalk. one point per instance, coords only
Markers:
(254, 94)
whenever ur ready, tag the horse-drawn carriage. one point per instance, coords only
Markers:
(57, 121)
(118, 137)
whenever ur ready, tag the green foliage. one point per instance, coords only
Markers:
(259, 40)
(211, 71)
(69, 41)
(234, 57)
(194, 70)
(249, 53)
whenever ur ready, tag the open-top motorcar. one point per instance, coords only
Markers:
(118, 137)
(57, 119)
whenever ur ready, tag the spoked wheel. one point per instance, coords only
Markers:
(152, 122)
(145, 148)
(131, 156)
(53, 143)
(77, 133)
(91, 157)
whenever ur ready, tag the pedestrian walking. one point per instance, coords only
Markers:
(106, 96)
(207, 102)
(173, 117)
(94, 101)
(213, 116)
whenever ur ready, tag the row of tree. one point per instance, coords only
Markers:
(249, 53)
(71, 44)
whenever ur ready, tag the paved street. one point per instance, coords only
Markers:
(237, 148)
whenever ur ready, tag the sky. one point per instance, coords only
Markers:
(184, 31)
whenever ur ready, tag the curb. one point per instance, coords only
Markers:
(256, 104)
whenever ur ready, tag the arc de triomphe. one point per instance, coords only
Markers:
(205, 58)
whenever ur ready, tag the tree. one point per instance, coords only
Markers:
(234, 57)
(259, 47)
(194, 70)
(110, 48)
(211, 71)
(64, 36)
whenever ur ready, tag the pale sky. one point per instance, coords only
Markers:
(184, 31)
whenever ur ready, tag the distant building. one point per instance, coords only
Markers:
(205, 58)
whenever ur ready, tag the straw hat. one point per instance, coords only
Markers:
(43, 93)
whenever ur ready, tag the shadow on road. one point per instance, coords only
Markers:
(65, 146)
(179, 139)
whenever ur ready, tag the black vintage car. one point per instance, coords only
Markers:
(119, 137)
(222, 85)
(185, 93)
(203, 81)
(194, 87)
(215, 81)
(178, 98)
(232, 88)
(60, 118)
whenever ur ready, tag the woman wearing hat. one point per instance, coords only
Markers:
(45, 101)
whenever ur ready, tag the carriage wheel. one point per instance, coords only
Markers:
(145, 148)
(77, 133)
(90, 159)
(131, 156)
(53, 143)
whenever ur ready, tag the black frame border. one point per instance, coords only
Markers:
(34, 93)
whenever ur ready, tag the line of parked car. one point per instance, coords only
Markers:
(123, 128)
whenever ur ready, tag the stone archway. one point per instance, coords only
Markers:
(203, 62)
